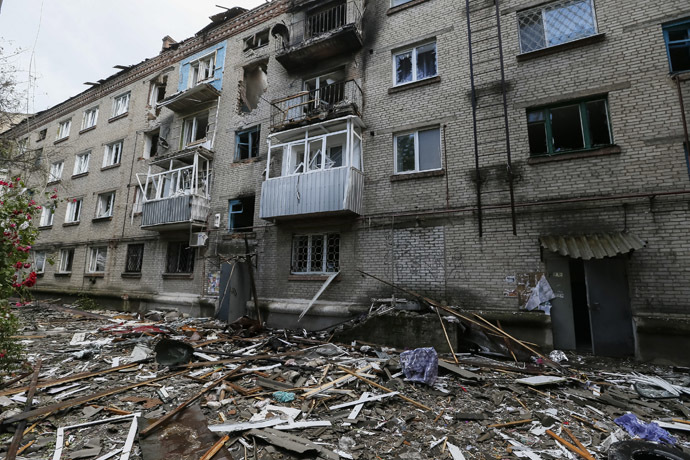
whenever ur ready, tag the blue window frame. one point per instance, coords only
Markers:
(677, 37)
(247, 143)
(241, 214)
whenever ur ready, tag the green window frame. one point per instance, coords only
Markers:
(572, 126)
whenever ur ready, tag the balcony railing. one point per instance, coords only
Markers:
(329, 101)
(175, 210)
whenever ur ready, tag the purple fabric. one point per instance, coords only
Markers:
(420, 365)
(650, 432)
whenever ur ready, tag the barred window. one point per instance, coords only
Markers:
(135, 257)
(556, 23)
(180, 258)
(316, 253)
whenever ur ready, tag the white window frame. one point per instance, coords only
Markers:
(196, 67)
(66, 255)
(81, 166)
(413, 52)
(56, 171)
(63, 129)
(121, 104)
(94, 253)
(106, 203)
(541, 10)
(90, 118)
(416, 150)
(42, 267)
(395, 3)
(74, 209)
(192, 122)
(47, 216)
(113, 154)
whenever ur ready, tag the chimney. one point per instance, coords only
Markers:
(168, 42)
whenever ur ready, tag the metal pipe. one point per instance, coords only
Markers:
(474, 121)
(686, 144)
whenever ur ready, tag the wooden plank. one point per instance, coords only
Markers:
(515, 423)
(570, 447)
(19, 433)
(215, 448)
(387, 390)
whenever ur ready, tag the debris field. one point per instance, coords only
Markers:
(164, 386)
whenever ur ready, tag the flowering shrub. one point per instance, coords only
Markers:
(17, 213)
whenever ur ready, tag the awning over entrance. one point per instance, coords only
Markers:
(596, 246)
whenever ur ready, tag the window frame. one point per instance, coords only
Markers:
(86, 117)
(42, 134)
(416, 150)
(324, 257)
(194, 126)
(139, 257)
(584, 124)
(667, 28)
(77, 162)
(94, 252)
(195, 66)
(414, 50)
(100, 203)
(73, 216)
(116, 104)
(35, 262)
(49, 211)
(66, 260)
(181, 247)
(250, 145)
(108, 157)
(54, 176)
(63, 129)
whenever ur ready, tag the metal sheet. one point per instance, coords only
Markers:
(191, 98)
(597, 246)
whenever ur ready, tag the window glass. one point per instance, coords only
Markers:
(81, 163)
(426, 61)
(566, 128)
(97, 259)
(403, 67)
(405, 152)
(318, 253)
(39, 261)
(556, 23)
(247, 143)
(180, 258)
(121, 105)
(66, 258)
(429, 150)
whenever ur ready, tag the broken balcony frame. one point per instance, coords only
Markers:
(314, 169)
(181, 192)
(339, 98)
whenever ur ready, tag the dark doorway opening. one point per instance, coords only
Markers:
(581, 320)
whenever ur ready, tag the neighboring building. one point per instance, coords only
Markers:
(403, 139)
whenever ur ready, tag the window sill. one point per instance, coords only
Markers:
(247, 160)
(40, 274)
(62, 274)
(70, 224)
(102, 219)
(105, 168)
(681, 75)
(404, 6)
(118, 117)
(77, 176)
(194, 144)
(296, 277)
(562, 47)
(86, 130)
(239, 236)
(414, 84)
(600, 152)
(54, 182)
(94, 275)
(418, 175)
(177, 276)
(59, 141)
(130, 275)
(45, 227)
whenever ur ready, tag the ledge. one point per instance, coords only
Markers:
(246, 161)
(70, 224)
(55, 182)
(77, 176)
(414, 84)
(41, 274)
(105, 168)
(562, 47)
(123, 115)
(45, 227)
(130, 275)
(418, 175)
(59, 141)
(102, 219)
(86, 130)
(404, 6)
(62, 274)
(239, 236)
(295, 277)
(94, 275)
(604, 151)
(177, 276)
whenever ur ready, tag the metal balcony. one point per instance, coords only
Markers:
(321, 34)
(329, 101)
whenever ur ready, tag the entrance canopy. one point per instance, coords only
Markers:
(597, 246)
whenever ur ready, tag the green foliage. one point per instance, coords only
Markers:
(85, 302)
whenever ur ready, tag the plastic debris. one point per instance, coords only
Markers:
(650, 432)
(558, 356)
(420, 365)
(284, 396)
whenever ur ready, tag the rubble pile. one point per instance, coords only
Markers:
(112, 385)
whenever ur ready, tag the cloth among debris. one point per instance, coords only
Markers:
(420, 365)
(541, 296)
(649, 431)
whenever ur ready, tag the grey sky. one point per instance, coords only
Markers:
(81, 40)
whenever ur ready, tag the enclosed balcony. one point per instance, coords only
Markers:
(322, 100)
(176, 190)
(320, 33)
(191, 99)
(315, 170)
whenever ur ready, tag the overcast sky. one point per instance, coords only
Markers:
(81, 40)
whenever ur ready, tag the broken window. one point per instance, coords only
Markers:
(135, 258)
(157, 90)
(56, 171)
(257, 40)
(47, 214)
(202, 70)
(97, 258)
(325, 91)
(180, 258)
(66, 259)
(151, 141)
(317, 253)
(253, 85)
(556, 23)
(415, 64)
(73, 213)
(418, 151)
(63, 129)
(569, 127)
(89, 119)
(106, 203)
(42, 135)
(677, 36)
(39, 261)
(241, 214)
(120, 105)
(247, 143)
(113, 154)
(81, 163)
(194, 129)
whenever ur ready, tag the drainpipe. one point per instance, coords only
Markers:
(686, 143)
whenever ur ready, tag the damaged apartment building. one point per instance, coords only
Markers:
(470, 151)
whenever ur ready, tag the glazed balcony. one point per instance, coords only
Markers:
(320, 34)
(329, 101)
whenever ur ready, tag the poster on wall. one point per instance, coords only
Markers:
(213, 286)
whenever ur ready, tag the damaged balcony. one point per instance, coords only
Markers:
(314, 170)
(332, 100)
(190, 99)
(319, 34)
(179, 195)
